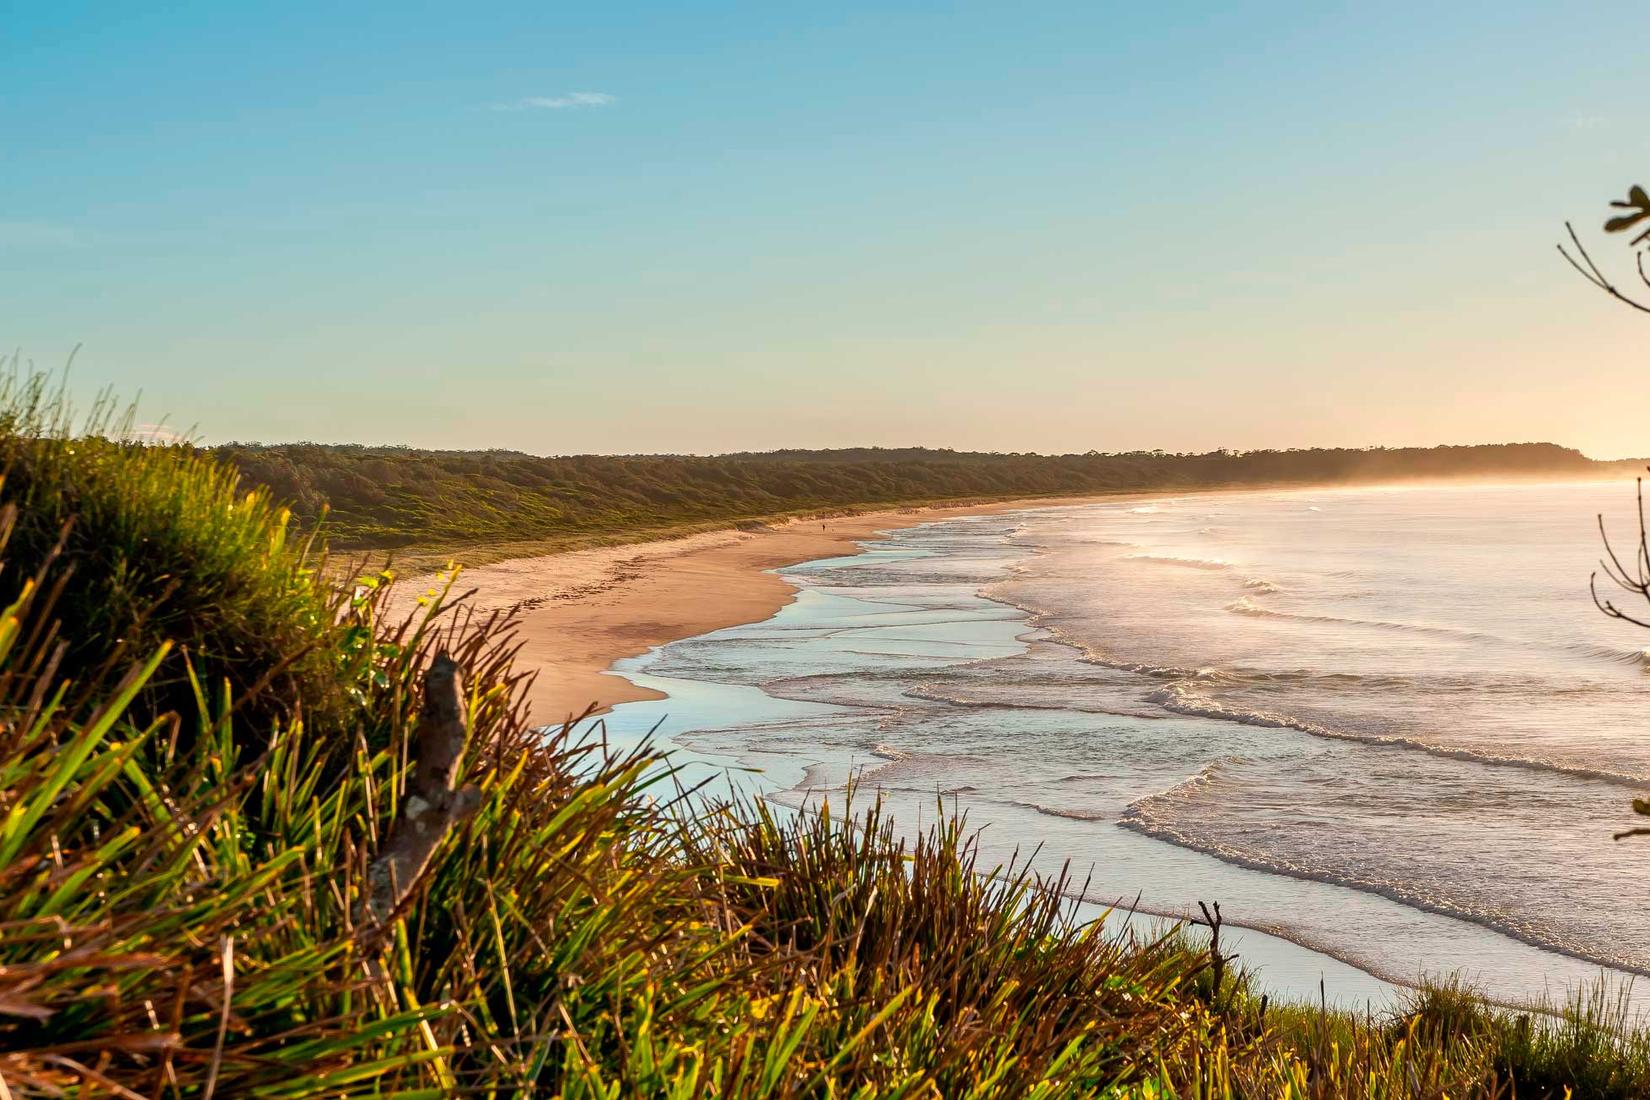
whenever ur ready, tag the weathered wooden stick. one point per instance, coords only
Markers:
(432, 807)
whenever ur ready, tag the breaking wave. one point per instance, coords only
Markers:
(1146, 816)
(1245, 606)
(1183, 698)
(1185, 563)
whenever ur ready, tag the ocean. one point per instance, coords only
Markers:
(1385, 727)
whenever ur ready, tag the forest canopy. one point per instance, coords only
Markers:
(389, 497)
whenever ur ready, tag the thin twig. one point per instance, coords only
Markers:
(1593, 275)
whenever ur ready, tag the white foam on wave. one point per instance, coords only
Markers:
(1180, 695)
(1184, 697)
(1069, 814)
(1640, 657)
(1246, 606)
(1153, 816)
(1183, 562)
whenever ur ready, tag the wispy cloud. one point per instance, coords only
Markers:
(557, 102)
(23, 234)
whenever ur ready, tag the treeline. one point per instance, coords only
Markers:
(383, 497)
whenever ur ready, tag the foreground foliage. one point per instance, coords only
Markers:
(194, 778)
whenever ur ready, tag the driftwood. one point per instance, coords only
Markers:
(431, 807)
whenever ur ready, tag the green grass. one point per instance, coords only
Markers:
(149, 545)
(202, 746)
(459, 503)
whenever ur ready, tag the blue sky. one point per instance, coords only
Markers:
(700, 228)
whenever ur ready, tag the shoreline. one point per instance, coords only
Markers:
(1295, 946)
(579, 611)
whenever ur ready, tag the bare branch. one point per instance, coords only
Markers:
(1592, 273)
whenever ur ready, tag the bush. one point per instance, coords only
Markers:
(183, 877)
(153, 544)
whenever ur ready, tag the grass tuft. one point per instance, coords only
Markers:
(203, 745)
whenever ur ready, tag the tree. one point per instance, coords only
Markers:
(1635, 578)
(1636, 213)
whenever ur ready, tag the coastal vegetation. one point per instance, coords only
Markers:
(207, 749)
(388, 497)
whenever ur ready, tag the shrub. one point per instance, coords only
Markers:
(155, 544)
(203, 747)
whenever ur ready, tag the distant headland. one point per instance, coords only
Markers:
(384, 497)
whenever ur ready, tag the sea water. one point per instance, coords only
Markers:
(1387, 725)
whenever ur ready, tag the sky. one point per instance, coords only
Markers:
(1064, 226)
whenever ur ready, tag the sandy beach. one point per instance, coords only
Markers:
(582, 610)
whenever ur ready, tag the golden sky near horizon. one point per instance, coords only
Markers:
(1088, 226)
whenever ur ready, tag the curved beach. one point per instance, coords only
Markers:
(581, 611)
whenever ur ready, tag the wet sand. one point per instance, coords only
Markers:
(582, 610)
